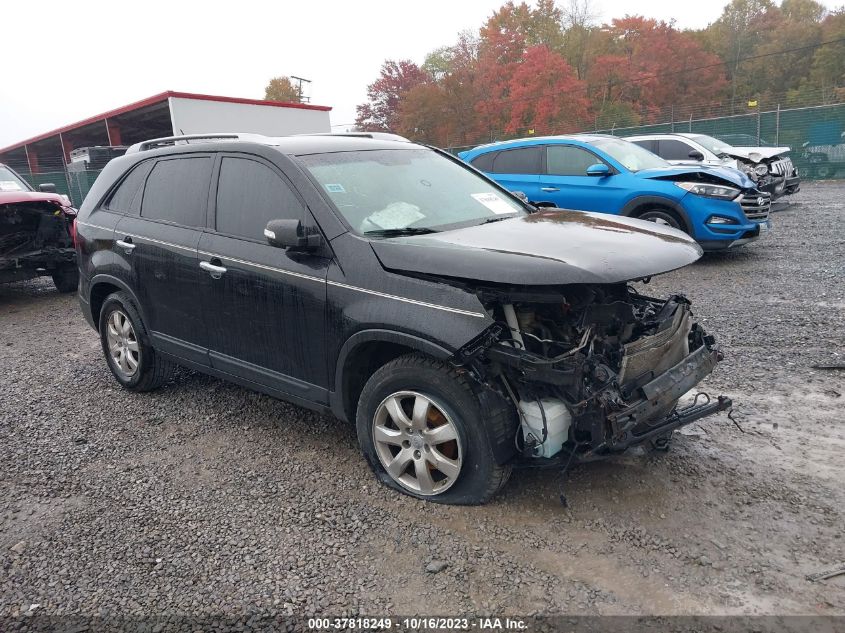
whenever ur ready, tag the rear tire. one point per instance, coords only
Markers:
(131, 359)
(66, 279)
(417, 416)
(663, 217)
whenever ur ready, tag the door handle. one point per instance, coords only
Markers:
(549, 189)
(216, 272)
(126, 244)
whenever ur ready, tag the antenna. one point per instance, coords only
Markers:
(300, 81)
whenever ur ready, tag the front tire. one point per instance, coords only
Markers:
(420, 427)
(66, 279)
(662, 217)
(132, 361)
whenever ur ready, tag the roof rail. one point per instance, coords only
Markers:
(381, 136)
(187, 138)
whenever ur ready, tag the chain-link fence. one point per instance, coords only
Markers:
(73, 183)
(816, 134)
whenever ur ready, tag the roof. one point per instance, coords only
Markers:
(160, 98)
(655, 134)
(300, 144)
(535, 140)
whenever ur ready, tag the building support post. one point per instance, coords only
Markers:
(113, 132)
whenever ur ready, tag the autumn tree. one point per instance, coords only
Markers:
(649, 65)
(549, 66)
(381, 112)
(282, 89)
(546, 95)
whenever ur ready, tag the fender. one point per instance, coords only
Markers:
(644, 201)
(114, 281)
(384, 336)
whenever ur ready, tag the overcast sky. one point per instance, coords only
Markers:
(68, 60)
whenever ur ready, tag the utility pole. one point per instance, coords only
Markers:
(300, 81)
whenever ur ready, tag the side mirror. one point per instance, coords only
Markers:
(598, 170)
(290, 234)
(47, 187)
(521, 195)
(696, 155)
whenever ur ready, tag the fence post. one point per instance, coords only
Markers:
(672, 128)
(758, 125)
(777, 127)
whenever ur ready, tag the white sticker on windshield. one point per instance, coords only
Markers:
(493, 202)
(396, 215)
(335, 188)
(10, 185)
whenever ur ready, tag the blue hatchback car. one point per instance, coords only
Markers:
(719, 207)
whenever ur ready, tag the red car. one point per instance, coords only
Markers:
(36, 233)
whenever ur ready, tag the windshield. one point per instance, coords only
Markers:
(631, 155)
(407, 190)
(9, 181)
(711, 144)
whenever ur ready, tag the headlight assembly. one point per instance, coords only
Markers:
(720, 192)
(761, 170)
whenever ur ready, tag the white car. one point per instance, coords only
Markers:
(770, 167)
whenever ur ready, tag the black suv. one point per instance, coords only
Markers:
(388, 283)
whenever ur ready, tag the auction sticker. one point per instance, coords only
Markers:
(493, 202)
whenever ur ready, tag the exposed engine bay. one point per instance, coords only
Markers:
(592, 368)
(35, 238)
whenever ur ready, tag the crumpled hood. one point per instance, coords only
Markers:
(15, 197)
(732, 175)
(545, 248)
(760, 153)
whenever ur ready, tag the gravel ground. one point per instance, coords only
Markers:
(206, 498)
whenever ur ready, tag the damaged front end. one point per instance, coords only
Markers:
(593, 369)
(36, 237)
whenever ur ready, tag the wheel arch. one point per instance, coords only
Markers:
(363, 353)
(639, 204)
(101, 286)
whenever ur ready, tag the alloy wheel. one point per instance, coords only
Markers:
(123, 343)
(417, 443)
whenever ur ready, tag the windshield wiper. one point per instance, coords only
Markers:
(498, 218)
(408, 230)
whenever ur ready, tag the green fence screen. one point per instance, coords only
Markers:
(815, 134)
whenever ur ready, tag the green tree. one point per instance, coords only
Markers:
(736, 34)
(282, 89)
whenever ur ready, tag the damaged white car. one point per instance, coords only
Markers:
(770, 168)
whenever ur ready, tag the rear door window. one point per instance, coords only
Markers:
(177, 191)
(525, 160)
(249, 195)
(671, 149)
(484, 162)
(127, 197)
(648, 144)
(567, 160)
